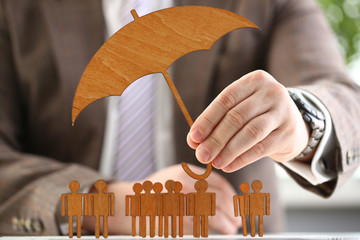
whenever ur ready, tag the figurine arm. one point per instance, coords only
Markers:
(90, 204)
(112, 204)
(86, 210)
(213, 204)
(128, 198)
(267, 195)
(63, 196)
(247, 204)
(236, 208)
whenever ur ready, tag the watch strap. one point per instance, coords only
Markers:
(315, 120)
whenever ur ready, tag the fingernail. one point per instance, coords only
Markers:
(203, 154)
(196, 136)
(216, 162)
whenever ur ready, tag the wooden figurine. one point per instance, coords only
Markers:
(252, 205)
(241, 205)
(74, 207)
(173, 206)
(180, 196)
(201, 205)
(257, 206)
(147, 209)
(144, 205)
(101, 204)
(133, 202)
(158, 187)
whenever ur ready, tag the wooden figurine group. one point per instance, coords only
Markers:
(171, 204)
(252, 205)
(89, 204)
(149, 201)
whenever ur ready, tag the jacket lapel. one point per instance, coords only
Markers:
(73, 47)
(87, 36)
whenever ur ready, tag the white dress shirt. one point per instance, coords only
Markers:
(117, 14)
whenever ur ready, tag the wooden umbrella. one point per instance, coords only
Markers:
(150, 44)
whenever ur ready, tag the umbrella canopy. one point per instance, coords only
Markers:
(150, 44)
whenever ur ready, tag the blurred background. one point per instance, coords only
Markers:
(344, 18)
(305, 211)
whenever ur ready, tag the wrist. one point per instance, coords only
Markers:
(315, 124)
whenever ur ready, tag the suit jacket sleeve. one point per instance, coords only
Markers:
(304, 51)
(30, 184)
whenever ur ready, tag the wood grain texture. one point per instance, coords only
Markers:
(72, 203)
(152, 203)
(241, 205)
(201, 205)
(252, 205)
(150, 44)
(100, 204)
(133, 202)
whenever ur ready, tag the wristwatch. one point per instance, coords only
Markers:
(314, 118)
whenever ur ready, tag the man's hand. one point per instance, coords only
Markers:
(224, 222)
(252, 118)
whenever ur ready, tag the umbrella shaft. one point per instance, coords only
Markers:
(178, 98)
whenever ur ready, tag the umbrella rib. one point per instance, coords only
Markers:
(178, 98)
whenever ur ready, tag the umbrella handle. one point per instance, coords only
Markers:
(194, 175)
(190, 122)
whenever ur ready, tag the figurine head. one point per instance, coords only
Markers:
(256, 186)
(201, 186)
(158, 187)
(170, 185)
(101, 186)
(74, 186)
(244, 187)
(137, 188)
(147, 186)
(178, 187)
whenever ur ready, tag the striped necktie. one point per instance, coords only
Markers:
(134, 131)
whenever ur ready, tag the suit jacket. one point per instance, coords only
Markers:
(46, 45)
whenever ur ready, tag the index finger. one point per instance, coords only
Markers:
(226, 100)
